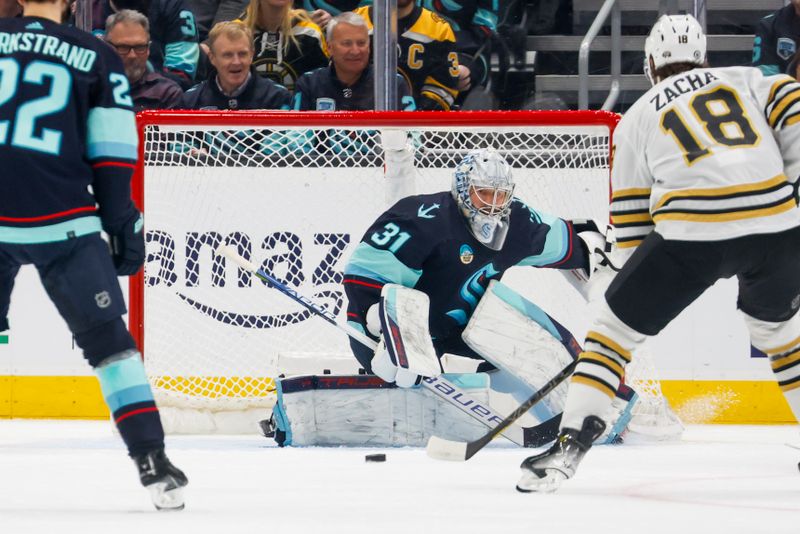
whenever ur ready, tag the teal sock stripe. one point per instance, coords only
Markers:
(124, 382)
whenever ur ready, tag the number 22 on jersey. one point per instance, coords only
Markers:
(721, 116)
(24, 130)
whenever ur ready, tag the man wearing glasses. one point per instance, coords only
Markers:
(128, 32)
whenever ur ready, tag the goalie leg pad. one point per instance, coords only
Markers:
(516, 335)
(407, 340)
(363, 410)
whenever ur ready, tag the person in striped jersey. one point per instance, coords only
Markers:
(704, 182)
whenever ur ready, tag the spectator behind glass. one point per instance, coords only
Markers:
(174, 50)
(777, 36)
(128, 32)
(9, 9)
(348, 82)
(427, 57)
(207, 13)
(474, 23)
(287, 43)
(322, 11)
(234, 86)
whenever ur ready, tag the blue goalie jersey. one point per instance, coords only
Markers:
(66, 123)
(423, 242)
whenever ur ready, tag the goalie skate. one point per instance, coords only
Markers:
(545, 472)
(163, 481)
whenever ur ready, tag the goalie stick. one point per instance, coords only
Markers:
(459, 451)
(534, 436)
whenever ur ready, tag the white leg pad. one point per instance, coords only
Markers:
(363, 411)
(517, 336)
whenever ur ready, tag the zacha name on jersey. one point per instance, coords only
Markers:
(680, 86)
(77, 57)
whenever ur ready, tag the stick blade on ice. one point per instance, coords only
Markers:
(445, 449)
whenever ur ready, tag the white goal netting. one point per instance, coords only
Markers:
(294, 193)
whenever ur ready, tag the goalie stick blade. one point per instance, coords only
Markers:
(445, 449)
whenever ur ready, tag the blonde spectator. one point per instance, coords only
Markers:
(287, 43)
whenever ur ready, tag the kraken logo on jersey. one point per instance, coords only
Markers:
(466, 254)
(471, 292)
(785, 48)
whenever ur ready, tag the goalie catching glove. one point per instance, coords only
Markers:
(601, 269)
(405, 353)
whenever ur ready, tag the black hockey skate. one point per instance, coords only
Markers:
(163, 480)
(546, 471)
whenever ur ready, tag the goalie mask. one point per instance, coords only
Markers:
(674, 39)
(483, 189)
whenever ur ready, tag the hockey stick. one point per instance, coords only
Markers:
(438, 385)
(459, 451)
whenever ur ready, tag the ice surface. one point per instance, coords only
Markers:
(75, 478)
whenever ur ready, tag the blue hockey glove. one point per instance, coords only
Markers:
(127, 246)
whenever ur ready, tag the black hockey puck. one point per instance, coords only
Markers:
(375, 458)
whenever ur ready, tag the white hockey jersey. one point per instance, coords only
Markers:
(706, 155)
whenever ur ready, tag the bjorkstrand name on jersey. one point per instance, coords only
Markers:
(77, 57)
(684, 84)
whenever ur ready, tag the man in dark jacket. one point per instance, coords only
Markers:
(777, 36)
(348, 82)
(128, 32)
(234, 86)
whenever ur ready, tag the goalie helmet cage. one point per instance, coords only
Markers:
(294, 193)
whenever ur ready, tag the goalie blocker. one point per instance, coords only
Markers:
(526, 344)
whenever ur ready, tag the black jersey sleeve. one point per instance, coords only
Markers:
(181, 48)
(764, 47)
(111, 141)
(552, 241)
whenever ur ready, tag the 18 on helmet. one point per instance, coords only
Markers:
(674, 39)
(483, 188)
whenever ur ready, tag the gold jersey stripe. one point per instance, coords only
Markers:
(432, 81)
(608, 342)
(777, 86)
(792, 97)
(722, 191)
(791, 120)
(589, 356)
(738, 215)
(788, 387)
(586, 381)
(783, 348)
(779, 364)
(643, 217)
(629, 244)
(631, 192)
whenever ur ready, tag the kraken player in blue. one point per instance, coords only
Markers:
(67, 125)
(449, 245)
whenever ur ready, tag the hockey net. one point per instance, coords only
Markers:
(294, 192)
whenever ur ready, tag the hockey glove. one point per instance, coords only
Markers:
(405, 354)
(127, 246)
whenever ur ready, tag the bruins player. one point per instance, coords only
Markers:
(428, 59)
(704, 187)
